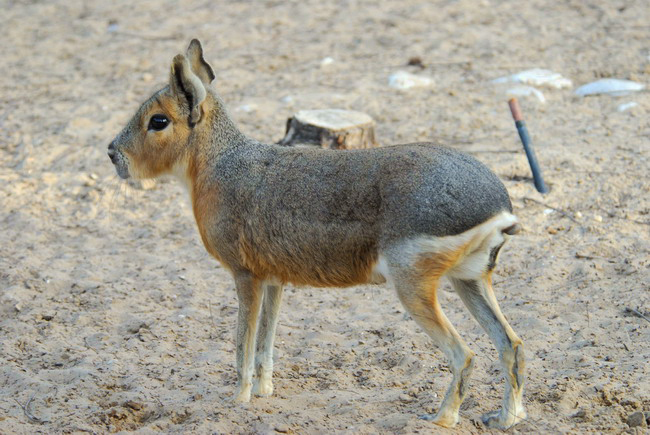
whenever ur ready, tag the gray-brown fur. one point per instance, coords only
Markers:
(328, 208)
(407, 214)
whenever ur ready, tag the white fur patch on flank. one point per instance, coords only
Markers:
(379, 273)
(476, 244)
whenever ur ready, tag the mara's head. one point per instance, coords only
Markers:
(156, 139)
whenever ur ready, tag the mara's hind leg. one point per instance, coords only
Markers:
(263, 385)
(479, 297)
(417, 290)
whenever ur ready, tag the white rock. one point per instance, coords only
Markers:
(537, 77)
(626, 106)
(246, 108)
(326, 61)
(406, 80)
(526, 91)
(613, 87)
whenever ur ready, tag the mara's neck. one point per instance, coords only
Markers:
(223, 133)
(214, 134)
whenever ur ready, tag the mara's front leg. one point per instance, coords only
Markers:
(265, 337)
(249, 293)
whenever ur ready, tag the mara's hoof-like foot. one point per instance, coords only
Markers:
(263, 388)
(444, 420)
(502, 419)
(243, 395)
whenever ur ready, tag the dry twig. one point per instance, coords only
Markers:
(559, 210)
(636, 313)
(28, 412)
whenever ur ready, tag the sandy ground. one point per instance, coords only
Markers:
(113, 317)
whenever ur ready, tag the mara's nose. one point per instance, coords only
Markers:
(111, 151)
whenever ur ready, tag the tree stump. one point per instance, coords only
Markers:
(330, 128)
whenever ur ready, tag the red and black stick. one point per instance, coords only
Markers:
(528, 146)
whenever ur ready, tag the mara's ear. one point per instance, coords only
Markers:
(200, 67)
(188, 86)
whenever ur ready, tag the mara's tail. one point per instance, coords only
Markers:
(471, 254)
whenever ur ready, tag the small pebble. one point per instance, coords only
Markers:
(247, 108)
(135, 327)
(626, 106)
(326, 61)
(613, 87)
(637, 419)
(580, 414)
(405, 398)
(416, 61)
(133, 405)
(406, 80)
(537, 77)
(631, 402)
(281, 427)
(577, 215)
(598, 218)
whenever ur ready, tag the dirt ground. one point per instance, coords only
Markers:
(114, 318)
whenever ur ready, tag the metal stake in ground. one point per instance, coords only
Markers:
(528, 146)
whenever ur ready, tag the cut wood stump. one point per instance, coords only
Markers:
(330, 128)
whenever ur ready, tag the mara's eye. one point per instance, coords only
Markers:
(158, 122)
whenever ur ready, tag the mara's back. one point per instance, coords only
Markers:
(400, 190)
